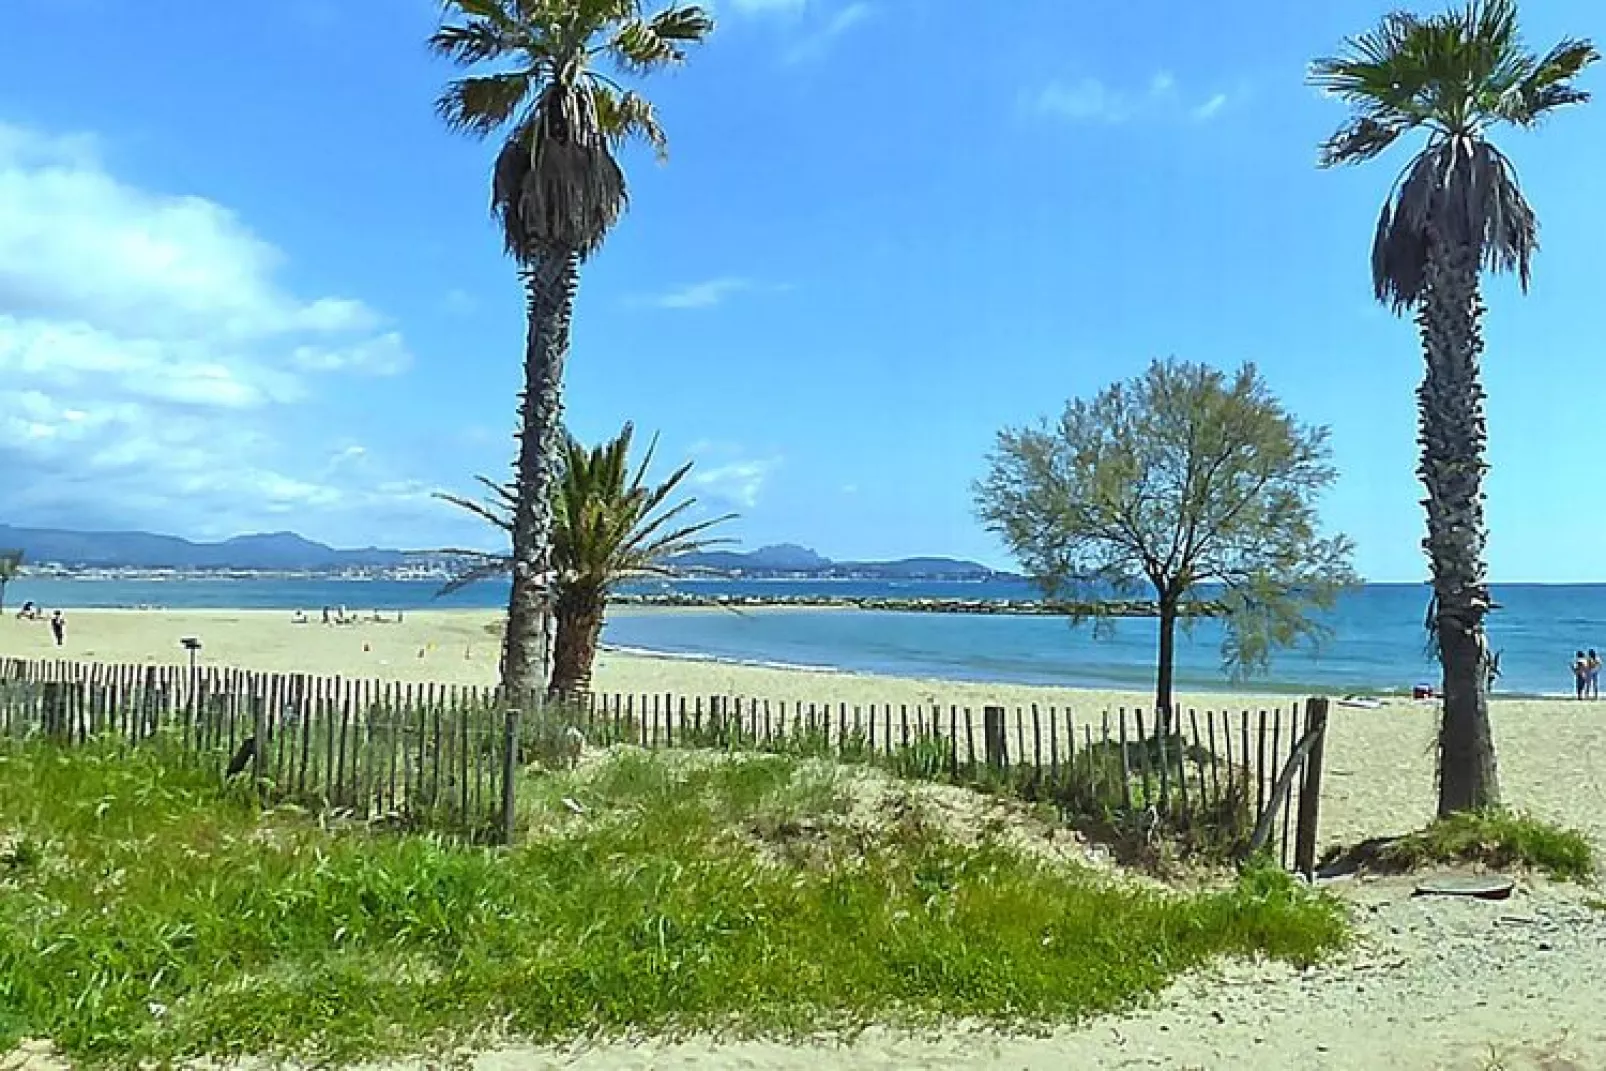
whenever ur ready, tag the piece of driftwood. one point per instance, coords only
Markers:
(1480, 886)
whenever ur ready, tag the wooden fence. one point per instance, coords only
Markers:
(445, 756)
(414, 755)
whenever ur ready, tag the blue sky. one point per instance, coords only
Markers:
(247, 281)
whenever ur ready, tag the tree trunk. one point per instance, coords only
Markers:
(550, 283)
(579, 615)
(1452, 436)
(1168, 655)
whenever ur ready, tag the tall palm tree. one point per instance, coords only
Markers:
(1455, 210)
(611, 525)
(556, 189)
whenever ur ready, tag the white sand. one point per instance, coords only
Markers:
(1437, 984)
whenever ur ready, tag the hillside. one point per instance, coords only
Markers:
(289, 552)
(276, 551)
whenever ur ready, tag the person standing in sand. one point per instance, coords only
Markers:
(1592, 665)
(1580, 674)
(58, 627)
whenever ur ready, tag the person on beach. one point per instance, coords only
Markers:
(58, 627)
(1580, 674)
(1592, 660)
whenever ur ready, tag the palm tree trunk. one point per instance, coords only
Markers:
(1452, 436)
(579, 615)
(550, 284)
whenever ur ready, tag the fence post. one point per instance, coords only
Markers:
(259, 738)
(992, 724)
(510, 769)
(55, 712)
(1310, 790)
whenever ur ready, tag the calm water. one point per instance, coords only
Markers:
(1377, 643)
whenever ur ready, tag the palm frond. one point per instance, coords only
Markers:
(493, 565)
(1379, 73)
(556, 186)
(483, 105)
(628, 115)
(1361, 139)
(642, 46)
(609, 522)
(1548, 85)
(491, 512)
(488, 30)
(1456, 75)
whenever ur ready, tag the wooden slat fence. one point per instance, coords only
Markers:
(439, 755)
(409, 754)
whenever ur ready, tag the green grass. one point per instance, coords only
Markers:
(145, 915)
(1500, 840)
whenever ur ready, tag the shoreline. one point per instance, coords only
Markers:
(1260, 689)
(1379, 773)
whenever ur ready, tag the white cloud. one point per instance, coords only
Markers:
(385, 355)
(1211, 108)
(459, 302)
(703, 295)
(1086, 100)
(740, 482)
(729, 474)
(150, 361)
(817, 41)
(811, 25)
(712, 292)
(1090, 100)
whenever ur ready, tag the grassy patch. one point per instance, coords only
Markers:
(1500, 840)
(145, 916)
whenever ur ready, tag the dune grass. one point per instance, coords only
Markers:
(1500, 840)
(147, 915)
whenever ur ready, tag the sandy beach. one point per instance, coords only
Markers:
(1379, 768)
(1433, 983)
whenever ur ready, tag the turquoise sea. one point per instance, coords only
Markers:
(1377, 643)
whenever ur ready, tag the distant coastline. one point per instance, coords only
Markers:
(1013, 607)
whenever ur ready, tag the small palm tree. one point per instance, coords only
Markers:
(10, 566)
(1455, 211)
(557, 189)
(611, 526)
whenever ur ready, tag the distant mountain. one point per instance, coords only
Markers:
(276, 551)
(789, 560)
(289, 553)
(782, 558)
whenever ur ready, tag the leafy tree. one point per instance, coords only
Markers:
(10, 566)
(557, 189)
(611, 525)
(1195, 485)
(1455, 210)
